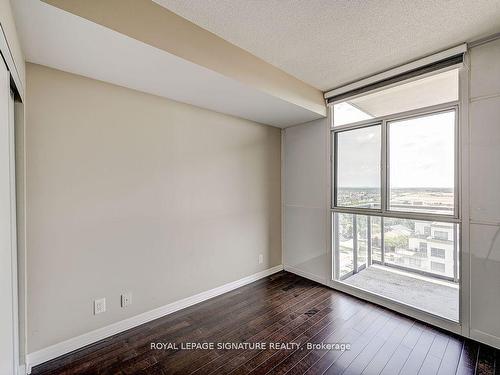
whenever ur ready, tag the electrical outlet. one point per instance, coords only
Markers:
(99, 306)
(261, 258)
(126, 299)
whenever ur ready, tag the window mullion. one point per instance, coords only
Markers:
(384, 183)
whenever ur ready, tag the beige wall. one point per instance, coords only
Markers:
(130, 192)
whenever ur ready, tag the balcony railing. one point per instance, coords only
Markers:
(361, 240)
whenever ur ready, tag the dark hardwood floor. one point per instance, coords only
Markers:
(283, 308)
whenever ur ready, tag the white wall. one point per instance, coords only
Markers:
(484, 126)
(305, 199)
(131, 192)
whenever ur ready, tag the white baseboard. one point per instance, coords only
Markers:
(78, 342)
(307, 275)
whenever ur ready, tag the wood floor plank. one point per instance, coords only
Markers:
(486, 360)
(358, 365)
(468, 358)
(359, 345)
(497, 362)
(352, 333)
(287, 333)
(268, 322)
(259, 332)
(451, 357)
(315, 354)
(403, 351)
(282, 308)
(382, 357)
(435, 355)
(430, 366)
(297, 355)
(418, 354)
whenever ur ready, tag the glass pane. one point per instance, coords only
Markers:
(422, 164)
(351, 243)
(344, 243)
(418, 266)
(362, 239)
(421, 246)
(425, 92)
(346, 113)
(376, 238)
(358, 167)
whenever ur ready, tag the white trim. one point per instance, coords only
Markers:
(21, 370)
(56, 350)
(462, 48)
(282, 192)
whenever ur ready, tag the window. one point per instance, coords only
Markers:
(441, 235)
(398, 164)
(422, 247)
(394, 179)
(421, 163)
(437, 267)
(438, 253)
(419, 166)
(358, 243)
(358, 167)
(353, 241)
(345, 244)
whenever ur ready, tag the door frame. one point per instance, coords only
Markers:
(9, 117)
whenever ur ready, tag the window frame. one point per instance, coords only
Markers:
(335, 165)
(385, 183)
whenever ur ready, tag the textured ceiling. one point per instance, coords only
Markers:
(327, 43)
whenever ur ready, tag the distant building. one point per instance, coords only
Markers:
(431, 247)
